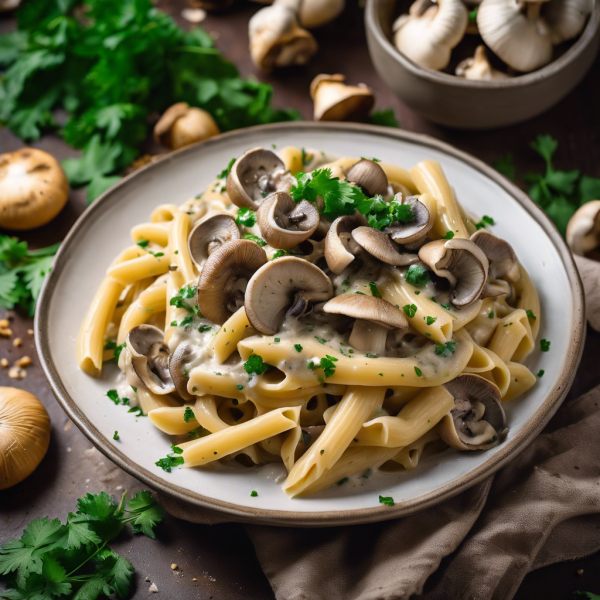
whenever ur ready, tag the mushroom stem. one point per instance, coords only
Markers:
(533, 10)
(368, 336)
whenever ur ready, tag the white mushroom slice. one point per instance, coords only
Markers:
(430, 31)
(182, 125)
(211, 233)
(285, 287)
(516, 32)
(374, 318)
(337, 255)
(178, 371)
(379, 245)
(416, 228)
(477, 421)
(462, 263)
(336, 101)
(369, 176)
(479, 68)
(500, 254)
(583, 230)
(566, 18)
(255, 175)
(283, 223)
(149, 356)
(224, 277)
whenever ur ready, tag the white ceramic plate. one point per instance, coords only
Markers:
(103, 230)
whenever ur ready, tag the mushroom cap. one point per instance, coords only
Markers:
(224, 277)
(583, 230)
(315, 13)
(462, 263)
(336, 254)
(336, 101)
(500, 254)
(380, 246)
(420, 225)
(255, 174)
(284, 287)
(33, 189)
(182, 125)
(179, 358)
(150, 358)
(479, 68)
(164, 124)
(283, 223)
(478, 420)
(210, 233)
(369, 176)
(24, 435)
(367, 308)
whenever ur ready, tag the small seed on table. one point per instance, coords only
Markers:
(17, 342)
(24, 361)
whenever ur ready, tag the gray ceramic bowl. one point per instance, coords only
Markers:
(467, 104)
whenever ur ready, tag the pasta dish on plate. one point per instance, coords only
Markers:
(333, 315)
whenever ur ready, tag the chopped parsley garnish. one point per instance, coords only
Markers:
(239, 386)
(277, 340)
(310, 327)
(448, 235)
(188, 414)
(491, 314)
(187, 321)
(155, 254)
(417, 292)
(431, 320)
(320, 340)
(417, 275)
(292, 252)
(327, 364)
(255, 365)
(253, 493)
(306, 157)
(374, 290)
(540, 373)
(530, 314)
(387, 500)
(246, 217)
(544, 345)
(372, 355)
(298, 347)
(446, 306)
(305, 437)
(204, 328)
(114, 396)
(143, 243)
(361, 293)
(225, 172)
(410, 310)
(485, 221)
(137, 410)
(255, 238)
(322, 451)
(186, 292)
(116, 435)
(167, 463)
(373, 159)
(418, 372)
(343, 481)
(445, 349)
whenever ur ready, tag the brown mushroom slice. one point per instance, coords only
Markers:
(337, 255)
(369, 176)
(255, 175)
(285, 287)
(150, 358)
(415, 229)
(224, 277)
(374, 318)
(462, 263)
(285, 224)
(500, 254)
(211, 233)
(336, 101)
(477, 421)
(583, 230)
(380, 246)
(180, 377)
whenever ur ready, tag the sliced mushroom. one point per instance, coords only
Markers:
(285, 287)
(179, 375)
(462, 263)
(369, 176)
(583, 230)
(149, 357)
(337, 255)
(255, 175)
(336, 101)
(380, 246)
(500, 254)
(224, 277)
(283, 223)
(374, 318)
(211, 233)
(479, 68)
(418, 227)
(477, 421)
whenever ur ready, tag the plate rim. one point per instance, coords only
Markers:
(507, 452)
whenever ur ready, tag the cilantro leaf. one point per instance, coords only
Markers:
(116, 570)
(417, 275)
(387, 500)
(246, 217)
(255, 365)
(383, 117)
(445, 349)
(144, 513)
(254, 238)
(506, 166)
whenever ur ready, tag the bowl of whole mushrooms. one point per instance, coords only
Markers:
(478, 64)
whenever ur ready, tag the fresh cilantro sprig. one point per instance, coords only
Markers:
(246, 217)
(48, 560)
(185, 293)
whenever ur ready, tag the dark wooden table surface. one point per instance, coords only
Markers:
(221, 557)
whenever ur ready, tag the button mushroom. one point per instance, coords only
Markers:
(566, 18)
(285, 287)
(462, 263)
(147, 361)
(283, 223)
(182, 125)
(276, 39)
(211, 233)
(315, 13)
(374, 318)
(369, 176)
(224, 277)
(24, 435)
(179, 373)
(583, 230)
(33, 189)
(416, 228)
(500, 254)
(336, 101)
(477, 421)
(337, 253)
(255, 175)
(479, 68)
(379, 245)
(430, 31)
(516, 32)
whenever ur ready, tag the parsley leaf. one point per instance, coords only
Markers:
(445, 349)
(246, 217)
(374, 290)
(410, 310)
(544, 345)
(506, 166)
(417, 275)
(383, 117)
(255, 365)
(387, 500)
(255, 238)
(188, 414)
(225, 172)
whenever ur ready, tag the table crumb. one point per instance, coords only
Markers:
(153, 589)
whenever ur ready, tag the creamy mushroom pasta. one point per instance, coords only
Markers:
(333, 315)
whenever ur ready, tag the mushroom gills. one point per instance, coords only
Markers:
(379, 245)
(209, 234)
